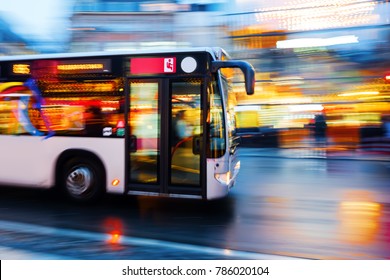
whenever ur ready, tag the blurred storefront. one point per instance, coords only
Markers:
(315, 58)
(312, 57)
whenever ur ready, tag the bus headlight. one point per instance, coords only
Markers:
(223, 178)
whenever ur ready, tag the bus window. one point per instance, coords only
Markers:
(216, 122)
(186, 111)
(14, 111)
(144, 123)
(90, 108)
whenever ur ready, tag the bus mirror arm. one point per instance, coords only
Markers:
(246, 68)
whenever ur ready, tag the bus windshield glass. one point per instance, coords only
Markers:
(217, 146)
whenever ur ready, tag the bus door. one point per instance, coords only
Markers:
(186, 166)
(164, 137)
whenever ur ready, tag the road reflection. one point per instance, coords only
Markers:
(360, 218)
(281, 207)
(113, 226)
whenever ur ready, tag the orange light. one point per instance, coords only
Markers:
(85, 66)
(360, 218)
(23, 69)
(115, 182)
(114, 238)
(114, 228)
(387, 77)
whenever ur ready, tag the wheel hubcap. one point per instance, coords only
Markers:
(79, 181)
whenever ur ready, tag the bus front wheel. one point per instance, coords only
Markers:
(82, 180)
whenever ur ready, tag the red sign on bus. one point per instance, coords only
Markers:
(153, 65)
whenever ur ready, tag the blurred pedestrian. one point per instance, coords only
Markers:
(320, 127)
(183, 129)
(94, 121)
(386, 126)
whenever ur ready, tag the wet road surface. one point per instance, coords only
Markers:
(279, 208)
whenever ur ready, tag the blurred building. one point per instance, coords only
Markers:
(10, 43)
(128, 25)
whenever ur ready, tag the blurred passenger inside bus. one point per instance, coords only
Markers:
(181, 128)
(94, 121)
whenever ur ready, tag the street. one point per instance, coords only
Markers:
(280, 208)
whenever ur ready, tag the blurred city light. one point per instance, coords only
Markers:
(359, 93)
(316, 42)
(328, 57)
(359, 217)
(319, 14)
(113, 227)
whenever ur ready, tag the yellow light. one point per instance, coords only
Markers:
(359, 93)
(375, 97)
(23, 69)
(73, 67)
(360, 217)
(364, 207)
(115, 182)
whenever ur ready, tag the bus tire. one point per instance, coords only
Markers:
(83, 179)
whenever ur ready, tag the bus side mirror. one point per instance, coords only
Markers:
(246, 68)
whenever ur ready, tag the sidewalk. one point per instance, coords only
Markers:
(315, 153)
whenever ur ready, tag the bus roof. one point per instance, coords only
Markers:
(215, 52)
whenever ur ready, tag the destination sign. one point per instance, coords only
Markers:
(153, 65)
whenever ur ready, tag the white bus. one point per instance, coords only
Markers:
(96, 123)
